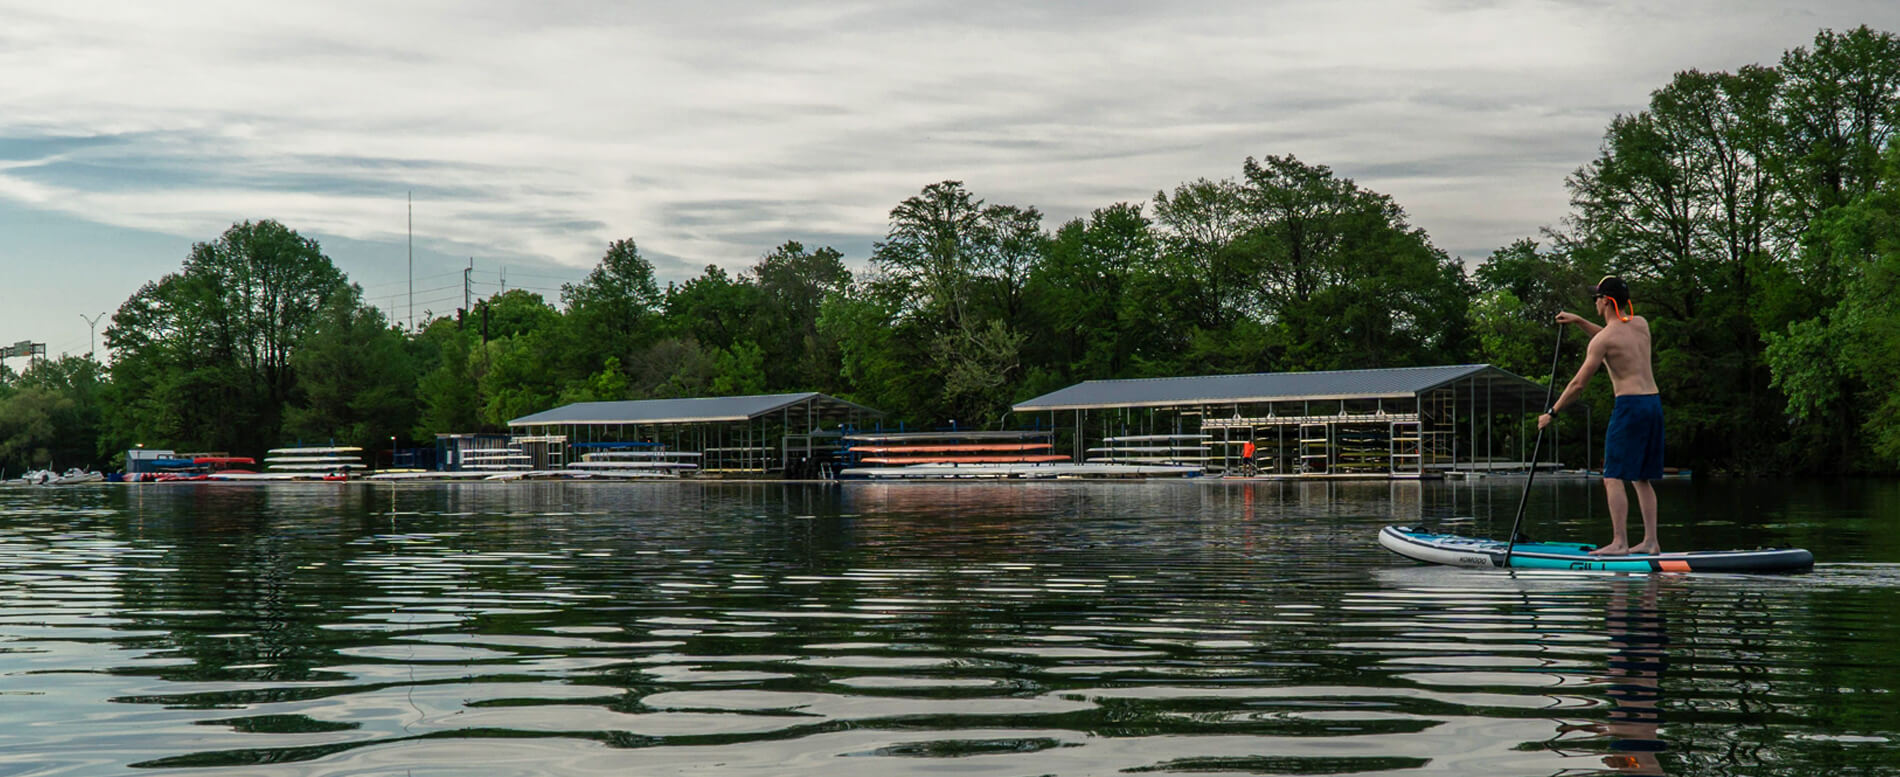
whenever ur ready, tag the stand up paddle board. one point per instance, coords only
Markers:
(1453, 550)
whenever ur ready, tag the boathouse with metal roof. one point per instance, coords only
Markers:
(1403, 422)
(765, 433)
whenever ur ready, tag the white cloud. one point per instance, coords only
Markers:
(547, 129)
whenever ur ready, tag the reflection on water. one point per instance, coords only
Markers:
(1640, 639)
(1632, 682)
(1192, 628)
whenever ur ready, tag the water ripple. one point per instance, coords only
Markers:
(894, 628)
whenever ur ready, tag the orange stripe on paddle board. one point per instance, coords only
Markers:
(1673, 565)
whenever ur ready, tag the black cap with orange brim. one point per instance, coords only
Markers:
(1618, 292)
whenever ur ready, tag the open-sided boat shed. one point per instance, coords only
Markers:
(756, 434)
(1405, 421)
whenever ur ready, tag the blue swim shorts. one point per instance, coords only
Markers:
(1633, 448)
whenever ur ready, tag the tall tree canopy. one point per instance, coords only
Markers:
(794, 284)
(202, 357)
(51, 415)
(356, 384)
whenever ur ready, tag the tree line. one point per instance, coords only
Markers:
(1756, 214)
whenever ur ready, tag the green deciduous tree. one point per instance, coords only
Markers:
(714, 309)
(1200, 222)
(879, 362)
(51, 415)
(355, 381)
(956, 267)
(614, 311)
(1838, 112)
(793, 286)
(608, 385)
(1086, 324)
(1725, 204)
(1336, 275)
(929, 255)
(202, 357)
(29, 428)
(1842, 367)
(448, 393)
(516, 312)
(1520, 289)
(1681, 203)
(738, 370)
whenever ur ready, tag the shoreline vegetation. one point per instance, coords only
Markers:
(1756, 214)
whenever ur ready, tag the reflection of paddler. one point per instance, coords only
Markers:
(1640, 638)
(1639, 642)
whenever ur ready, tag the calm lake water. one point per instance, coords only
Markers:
(967, 629)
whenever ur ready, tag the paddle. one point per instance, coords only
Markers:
(1556, 348)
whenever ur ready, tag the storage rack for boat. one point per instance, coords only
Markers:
(545, 451)
(937, 454)
(1316, 442)
(1337, 444)
(1183, 449)
(313, 461)
(736, 459)
(510, 459)
(1406, 447)
(634, 460)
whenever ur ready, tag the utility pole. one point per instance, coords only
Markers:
(466, 276)
(92, 324)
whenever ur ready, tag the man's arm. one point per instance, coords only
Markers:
(1589, 327)
(1592, 359)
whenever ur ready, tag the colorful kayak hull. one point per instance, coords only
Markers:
(1001, 458)
(1453, 550)
(977, 447)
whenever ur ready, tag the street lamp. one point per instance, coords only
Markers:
(92, 323)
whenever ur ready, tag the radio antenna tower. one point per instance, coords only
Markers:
(412, 260)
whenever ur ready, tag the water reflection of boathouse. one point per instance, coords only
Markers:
(1400, 422)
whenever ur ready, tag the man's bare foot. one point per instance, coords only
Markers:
(1647, 548)
(1612, 549)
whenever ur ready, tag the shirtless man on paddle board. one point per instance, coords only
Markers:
(1633, 446)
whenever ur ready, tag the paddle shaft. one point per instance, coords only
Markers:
(1555, 349)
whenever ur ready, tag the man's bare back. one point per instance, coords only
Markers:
(1620, 346)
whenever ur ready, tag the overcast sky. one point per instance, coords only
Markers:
(533, 133)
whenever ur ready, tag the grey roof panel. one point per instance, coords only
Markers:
(678, 411)
(1260, 387)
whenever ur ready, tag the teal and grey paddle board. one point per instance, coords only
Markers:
(1453, 550)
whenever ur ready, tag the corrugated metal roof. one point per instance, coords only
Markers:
(680, 411)
(1394, 383)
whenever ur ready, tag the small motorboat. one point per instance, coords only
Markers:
(77, 475)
